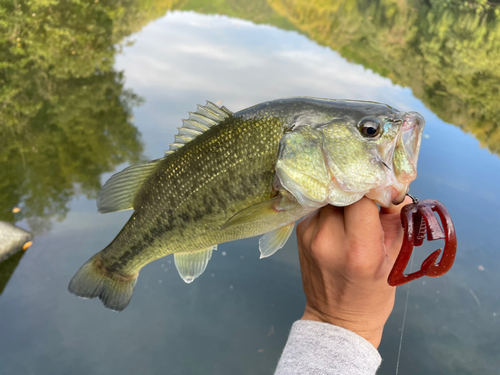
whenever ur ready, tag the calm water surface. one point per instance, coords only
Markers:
(60, 144)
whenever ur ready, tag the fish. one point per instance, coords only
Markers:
(229, 176)
(13, 239)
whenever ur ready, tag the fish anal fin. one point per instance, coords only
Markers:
(191, 264)
(119, 191)
(271, 242)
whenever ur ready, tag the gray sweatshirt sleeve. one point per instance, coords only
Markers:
(315, 348)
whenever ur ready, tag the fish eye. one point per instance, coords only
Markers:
(369, 128)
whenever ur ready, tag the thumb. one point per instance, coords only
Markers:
(391, 224)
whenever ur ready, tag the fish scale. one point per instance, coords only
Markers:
(229, 182)
(229, 176)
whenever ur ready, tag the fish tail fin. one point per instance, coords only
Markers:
(94, 280)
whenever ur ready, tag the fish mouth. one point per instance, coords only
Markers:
(401, 161)
(411, 135)
(399, 197)
(405, 165)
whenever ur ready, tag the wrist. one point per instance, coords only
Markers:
(372, 334)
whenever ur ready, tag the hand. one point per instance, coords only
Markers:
(346, 255)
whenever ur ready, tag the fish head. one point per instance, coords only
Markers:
(337, 157)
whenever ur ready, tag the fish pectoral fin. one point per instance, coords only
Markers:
(191, 264)
(258, 212)
(271, 242)
(119, 192)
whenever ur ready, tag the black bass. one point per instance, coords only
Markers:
(236, 175)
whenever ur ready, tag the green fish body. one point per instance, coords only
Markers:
(236, 175)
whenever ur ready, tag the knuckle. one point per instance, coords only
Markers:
(363, 257)
(317, 243)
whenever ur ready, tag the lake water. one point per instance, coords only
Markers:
(89, 103)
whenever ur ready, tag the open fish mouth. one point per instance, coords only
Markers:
(411, 135)
(406, 155)
(399, 159)
(342, 172)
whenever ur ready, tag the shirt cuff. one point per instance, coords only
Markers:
(324, 349)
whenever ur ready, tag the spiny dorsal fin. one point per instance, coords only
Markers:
(119, 191)
(199, 121)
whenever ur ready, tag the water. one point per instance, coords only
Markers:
(68, 129)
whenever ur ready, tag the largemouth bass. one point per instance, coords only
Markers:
(236, 175)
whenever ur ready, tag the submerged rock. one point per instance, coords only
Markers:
(12, 240)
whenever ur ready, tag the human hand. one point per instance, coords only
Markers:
(346, 255)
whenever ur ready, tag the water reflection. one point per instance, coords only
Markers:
(66, 117)
(183, 59)
(446, 52)
(7, 268)
(59, 86)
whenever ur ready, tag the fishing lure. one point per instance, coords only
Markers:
(418, 220)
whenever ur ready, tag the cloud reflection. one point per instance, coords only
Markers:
(172, 58)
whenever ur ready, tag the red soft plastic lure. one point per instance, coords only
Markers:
(418, 219)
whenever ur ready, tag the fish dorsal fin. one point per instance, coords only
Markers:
(272, 241)
(202, 119)
(192, 264)
(119, 191)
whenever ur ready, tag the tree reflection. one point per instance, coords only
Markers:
(65, 117)
(447, 52)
